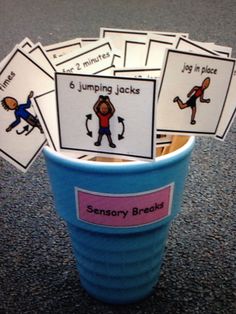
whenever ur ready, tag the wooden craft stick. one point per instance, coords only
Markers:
(108, 159)
(159, 151)
(99, 158)
(87, 157)
(165, 150)
(177, 142)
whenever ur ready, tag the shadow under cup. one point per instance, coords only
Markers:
(118, 216)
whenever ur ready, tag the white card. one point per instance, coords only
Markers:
(223, 51)
(92, 59)
(106, 115)
(144, 72)
(26, 44)
(163, 140)
(192, 46)
(46, 110)
(118, 38)
(40, 57)
(229, 112)
(207, 45)
(193, 92)
(172, 34)
(134, 54)
(21, 138)
(87, 41)
(156, 49)
(57, 50)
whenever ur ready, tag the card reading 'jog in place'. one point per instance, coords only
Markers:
(108, 115)
(193, 92)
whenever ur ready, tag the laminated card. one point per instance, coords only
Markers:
(106, 115)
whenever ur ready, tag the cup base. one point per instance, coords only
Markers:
(119, 269)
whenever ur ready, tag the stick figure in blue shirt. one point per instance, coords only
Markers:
(10, 103)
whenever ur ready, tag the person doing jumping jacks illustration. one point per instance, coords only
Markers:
(104, 109)
(195, 93)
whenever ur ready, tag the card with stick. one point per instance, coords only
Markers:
(223, 51)
(207, 45)
(46, 110)
(144, 72)
(92, 59)
(40, 57)
(156, 48)
(193, 91)
(203, 48)
(26, 44)
(171, 34)
(21, 135)
(161, 139)
(229, 111)
(57, 50)
(119, 37)
(134, 54)
(106, 115)
(192, 46)
(87, 41)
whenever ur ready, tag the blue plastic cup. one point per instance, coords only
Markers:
(118, 215)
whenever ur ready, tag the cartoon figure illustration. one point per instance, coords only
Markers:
(10, 103)
(194, 94)
(104, 109)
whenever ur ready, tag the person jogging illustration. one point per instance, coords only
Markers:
(104, 109)
(195, 93)
(10, 103)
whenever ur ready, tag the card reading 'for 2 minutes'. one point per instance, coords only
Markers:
(106, 115)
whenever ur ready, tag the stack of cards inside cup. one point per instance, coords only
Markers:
(120, 96)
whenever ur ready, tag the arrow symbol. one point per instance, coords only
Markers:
(120, 136)
(29, 131)
(89, 117)
(25, 129)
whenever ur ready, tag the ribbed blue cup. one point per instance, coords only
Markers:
(117, 264)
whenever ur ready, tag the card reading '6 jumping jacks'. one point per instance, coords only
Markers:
(193, 92)
(21, 135)
(106, 115)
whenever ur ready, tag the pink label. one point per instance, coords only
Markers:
(126, 210)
